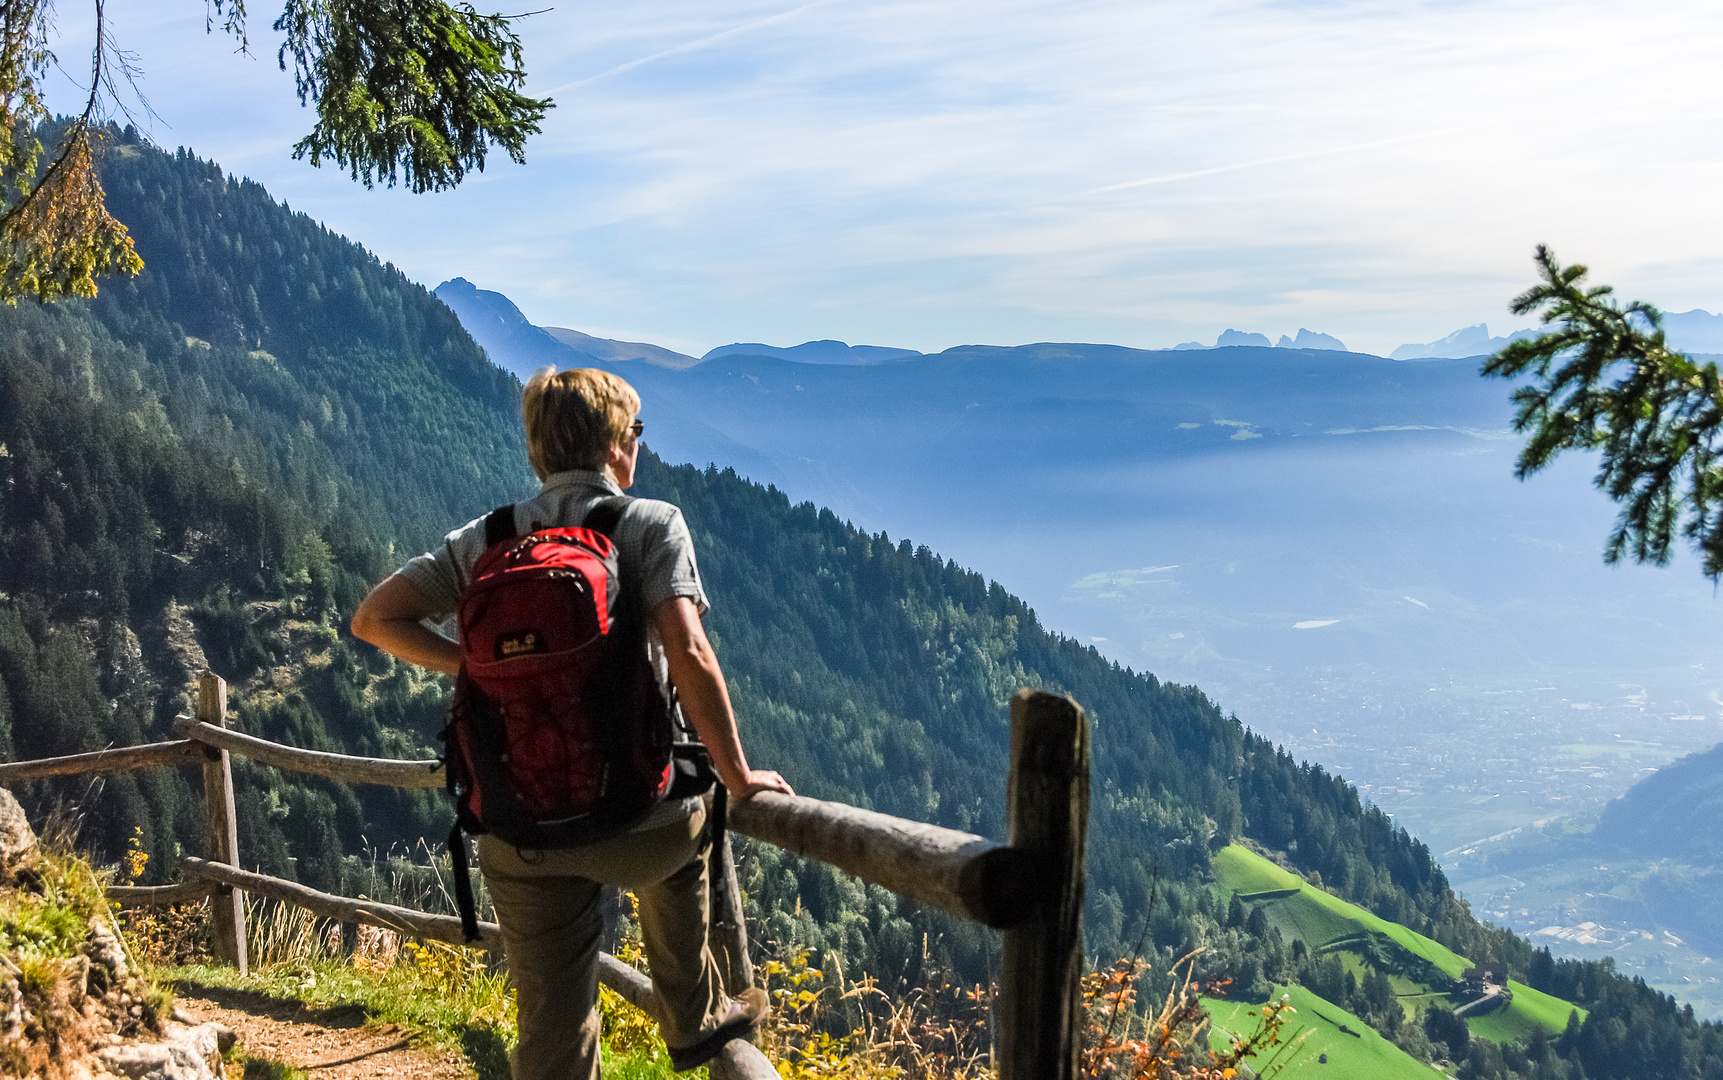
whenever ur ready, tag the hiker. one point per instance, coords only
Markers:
(582, 435)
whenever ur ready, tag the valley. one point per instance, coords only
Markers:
(1331, 545)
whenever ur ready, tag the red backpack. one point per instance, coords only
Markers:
(559, 734)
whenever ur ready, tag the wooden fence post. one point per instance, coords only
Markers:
(227, 904)
(1039, 1010)
(729, 927)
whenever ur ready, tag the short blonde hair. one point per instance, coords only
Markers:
(574, 417)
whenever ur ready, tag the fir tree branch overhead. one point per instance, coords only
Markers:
(1603, 378)
(408, 91)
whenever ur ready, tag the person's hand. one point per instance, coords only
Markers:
(761, 780)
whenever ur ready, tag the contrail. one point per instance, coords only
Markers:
(1171, 177)
(691, 45)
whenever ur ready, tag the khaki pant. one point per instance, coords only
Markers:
(547, 905)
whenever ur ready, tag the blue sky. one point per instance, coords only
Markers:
(995, 171)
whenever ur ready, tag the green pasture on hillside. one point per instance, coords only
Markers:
(1323, 921)
(1358, 1053)
(1314, 915)
(1529, 1009)
(1244, 871)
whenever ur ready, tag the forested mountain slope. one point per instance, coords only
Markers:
(215, 460)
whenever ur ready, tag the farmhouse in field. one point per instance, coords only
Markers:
(1483, 978)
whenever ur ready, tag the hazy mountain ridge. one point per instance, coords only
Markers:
(519, 347)
(1696, 331)
(817, 352)
(1466, 341)
(1673, 813)
(620, 351)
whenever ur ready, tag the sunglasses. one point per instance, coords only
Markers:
(637, 428)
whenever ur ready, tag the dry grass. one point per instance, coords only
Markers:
(1173, 1042)
(824, 1026)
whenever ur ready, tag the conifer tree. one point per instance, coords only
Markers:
(406, 91)
(1603, 378)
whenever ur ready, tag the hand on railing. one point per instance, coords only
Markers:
(762, 780)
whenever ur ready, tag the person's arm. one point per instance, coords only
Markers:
(706, 700)
(391, 619)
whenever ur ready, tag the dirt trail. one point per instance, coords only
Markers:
(329, 1044)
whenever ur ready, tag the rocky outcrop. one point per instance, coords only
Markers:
(17, 839)
(185, 1053)
(107, 959)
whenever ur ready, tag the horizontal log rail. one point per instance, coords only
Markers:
(1032, 888)
(135, 896)
(413, 923)
(389, 772)
(178, 752)
(954, 871)
(958, 872)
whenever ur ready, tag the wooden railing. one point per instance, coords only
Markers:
(1031, 888)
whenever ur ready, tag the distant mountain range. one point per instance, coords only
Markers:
(1306, 339)
(1695, 331)
(818, 352)
(519, 346)
(1466, 341)
(516, 345)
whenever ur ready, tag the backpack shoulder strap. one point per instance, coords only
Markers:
(606, 514)
(500, 525)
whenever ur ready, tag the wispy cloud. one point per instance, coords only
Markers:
(1260, 162)
(932, 172)
(687, 47)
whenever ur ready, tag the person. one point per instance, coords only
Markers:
(583, 440)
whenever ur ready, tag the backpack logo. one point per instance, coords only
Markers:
(522, 644)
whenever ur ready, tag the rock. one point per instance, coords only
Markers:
(17, 840)
(104, 951)
(192, 1053)
(11, 1002)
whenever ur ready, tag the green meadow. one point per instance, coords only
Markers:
(1419, 968)
(1320, 1030)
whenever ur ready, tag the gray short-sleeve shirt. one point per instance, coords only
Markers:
(655, 554)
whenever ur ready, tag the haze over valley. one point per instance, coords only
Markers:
(1333, 545)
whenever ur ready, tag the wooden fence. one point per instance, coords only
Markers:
(1031, 888)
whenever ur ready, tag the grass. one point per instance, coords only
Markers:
(1244, 871)
(1358, 1053)
(48, 915)
(448, 997)
(1530, 1009)
(1318, 917)
(441, 1013)
(1324, 921)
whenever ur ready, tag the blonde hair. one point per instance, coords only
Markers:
(574, 417)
